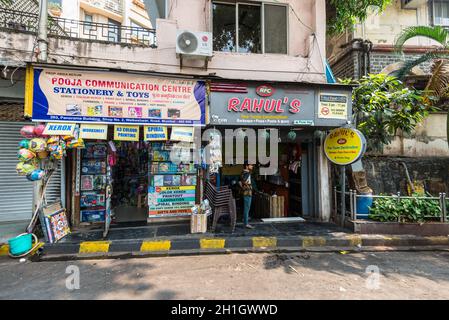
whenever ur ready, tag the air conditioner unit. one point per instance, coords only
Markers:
(194, 44)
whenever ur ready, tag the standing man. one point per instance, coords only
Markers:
(246, 185)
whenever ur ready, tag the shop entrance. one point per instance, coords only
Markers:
(130, 183)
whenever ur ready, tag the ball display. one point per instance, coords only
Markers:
(27, 131)
(25, 155)
(38, 145)
(24, 168)
(36, 175)
(39, 130)
(25, 144)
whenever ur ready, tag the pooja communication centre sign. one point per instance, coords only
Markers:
(111, 97)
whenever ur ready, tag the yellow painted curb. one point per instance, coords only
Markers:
(438, 240)
(212, 243)
(264, 242)
(94, 246)
(4, 250)
(155, 246)
(355, 241)
(313, 242)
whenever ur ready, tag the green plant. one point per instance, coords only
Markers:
(438, 85)
(345, 14)
(383, 105)
(406, 210)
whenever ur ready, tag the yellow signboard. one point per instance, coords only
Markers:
(155, 133)
(332, 106)
(344, 146)
(59, 129)
(94, 131)
(126, 133)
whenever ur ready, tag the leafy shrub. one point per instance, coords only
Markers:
(406, 210)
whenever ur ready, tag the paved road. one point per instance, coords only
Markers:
(405, 275)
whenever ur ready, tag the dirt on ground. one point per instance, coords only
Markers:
(380, 275)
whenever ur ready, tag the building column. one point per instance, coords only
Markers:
(324, 182)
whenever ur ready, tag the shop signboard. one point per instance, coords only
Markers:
(59, 129)
(155, 133)
(344, 146)
(126, 133)
(94, 131)
(184, 134)
(290, 105)
(172, 201)
(59, 95)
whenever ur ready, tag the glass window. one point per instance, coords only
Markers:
(88, 19)
(113, 31)
(249, 21)
(224, 27)
(441, 13)
(275, 29)
(238, 27)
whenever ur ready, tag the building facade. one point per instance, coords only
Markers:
(269, 53)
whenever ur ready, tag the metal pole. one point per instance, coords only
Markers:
(351, 203)
(355, 204)
(42, 33)
(444, 208)
(343, 195)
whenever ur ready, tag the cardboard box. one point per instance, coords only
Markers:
(198, 223)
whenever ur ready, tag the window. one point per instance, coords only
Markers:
(88, 20)
(113, 31)
(440, 13)
(249, 27)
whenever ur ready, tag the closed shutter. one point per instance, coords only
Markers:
(16, 192)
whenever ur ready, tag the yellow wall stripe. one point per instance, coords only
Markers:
(94, 246)
(4, 250)
(313, 242)
(355, 240)
(29, 84)
(212, 243)
(155, 246)
(264, 242)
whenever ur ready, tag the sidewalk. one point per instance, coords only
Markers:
(175, 239)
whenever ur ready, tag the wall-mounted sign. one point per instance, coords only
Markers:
(110, 97)
(94, 131)
(184, 134)
(256, 104)
(59, 129)
(155, 133)
(171, 200)
(126, 133)
(344, 146)
(332, 106)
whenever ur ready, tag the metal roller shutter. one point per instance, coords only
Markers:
(16, 192)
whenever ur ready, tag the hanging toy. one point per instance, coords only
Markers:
(43, 154)
(25, 144)
(52, 141)
(27, 132)
(76, 144)
(39, 130)
(25, 155)
(36, 175)
(38, 145)
(56, 152)
(25, 168)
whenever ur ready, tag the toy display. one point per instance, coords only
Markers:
(36, 175)
(25, 155)
(25, 144)
(39, 130)
(38, 145)
(25, 168)
(92, 199)
(27, 132)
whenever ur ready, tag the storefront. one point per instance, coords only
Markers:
(127, 140)
(282, 125)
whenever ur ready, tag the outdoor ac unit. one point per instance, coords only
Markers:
(194, 44)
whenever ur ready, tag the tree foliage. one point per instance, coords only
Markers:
(345, 14)
(383, 105)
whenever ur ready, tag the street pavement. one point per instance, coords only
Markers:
(343, 275)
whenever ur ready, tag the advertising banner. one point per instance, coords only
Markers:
(184, 134)
(344, 146)
(59, 129)
(153, 133)
(126, 133)
(112, 97)
(171, 200)
(94, 131)
(290, 105)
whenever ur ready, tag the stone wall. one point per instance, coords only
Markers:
(387, 175)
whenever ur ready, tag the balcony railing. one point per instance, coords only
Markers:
(75, 29)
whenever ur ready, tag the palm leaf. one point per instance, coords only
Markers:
(436, 33)
(429, 56)
(439, 81)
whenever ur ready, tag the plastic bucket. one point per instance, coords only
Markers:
(20, 244)
(364, 202)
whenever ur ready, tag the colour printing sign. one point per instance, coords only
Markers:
(153, 133)
(333, 106)
(59, 129)
(344, 146)
(126, 133)
(94, 131)
(112, 97)
(171, 200)
(256, 104)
